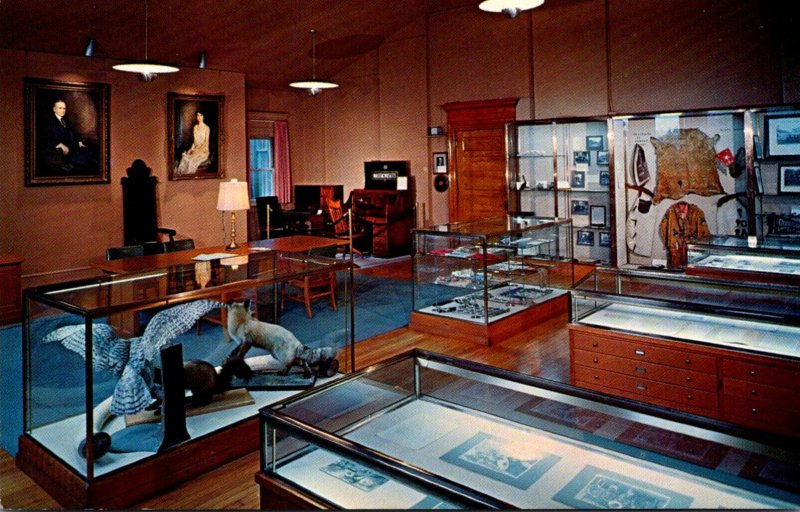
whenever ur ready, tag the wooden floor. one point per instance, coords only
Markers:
(542, 351)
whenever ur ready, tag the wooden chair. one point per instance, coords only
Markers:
(341, 228)
(126, 251)
(313, 286)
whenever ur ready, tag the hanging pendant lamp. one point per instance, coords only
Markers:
(509, 7)
(314, 86)
(146, 69)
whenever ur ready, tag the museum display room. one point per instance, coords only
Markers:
(622, 331)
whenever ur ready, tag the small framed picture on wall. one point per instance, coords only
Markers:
(604, 239)
(578, 179)
(602, 158)
(585, 238)
(782, 136)
(440, 163)
(581, 157)
(594, 143)
(597, 215)
(580, 207)
(789, 179)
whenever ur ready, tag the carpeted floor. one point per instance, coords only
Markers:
(381, 305)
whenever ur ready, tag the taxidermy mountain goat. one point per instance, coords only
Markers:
(278, 341)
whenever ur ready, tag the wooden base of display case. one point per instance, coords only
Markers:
(278, 495)
(494, 332)
(130, 485)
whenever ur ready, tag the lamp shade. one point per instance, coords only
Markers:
(233, 196)
(509, 7)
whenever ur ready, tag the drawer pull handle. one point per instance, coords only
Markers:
(753, 373)
(639, 369)
(594, 344)
(754, 410)
(596, 377)
(595, 360)
(688, 361)
(639, 352)
(688, 379)
(641, 387)
(689, 397)
(753, 392)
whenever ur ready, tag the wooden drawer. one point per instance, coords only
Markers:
(758, 392)
(637, 351)
(644, 388)
(761, 415)
(651, 371)
(777, 376)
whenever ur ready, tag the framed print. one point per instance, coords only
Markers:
(66, 133)
(580, 207)
(597, 215)
(440, 163)
(578, 179)
(759, 179)
(585, 237)
(581, 157)
(602, 158)
(603, 178)
(195, 136)
(594, 142)
(789, 179)
(758, 149)
(604, 239)
(782, 135)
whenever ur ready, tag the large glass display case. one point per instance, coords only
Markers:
(721, 348)
(91, 426)
(564, 168)
(769, 259)
(426, 431)
(481, 280)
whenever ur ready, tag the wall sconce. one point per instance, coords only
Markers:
(201, 62)
(233, 197)
(89, 50)
(509, 7)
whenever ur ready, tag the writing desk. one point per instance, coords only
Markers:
(295, 243)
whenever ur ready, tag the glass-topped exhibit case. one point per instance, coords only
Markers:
(772, 259)
(124, 371)
(427, 431)
(475, 278)
(564, 168)
(721, 348)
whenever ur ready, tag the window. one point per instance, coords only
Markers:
(262, 170)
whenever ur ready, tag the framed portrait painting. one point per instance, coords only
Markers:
(66, 133)
(195, 136)
(782, 136)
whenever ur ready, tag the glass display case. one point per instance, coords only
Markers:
(427, 431)
(93, 431)
(770, 259)
(485, 280)
(565, 169)
(720, 348)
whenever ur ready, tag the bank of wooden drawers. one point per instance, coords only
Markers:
(761, 395)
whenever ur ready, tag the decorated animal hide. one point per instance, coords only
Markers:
(686, 163)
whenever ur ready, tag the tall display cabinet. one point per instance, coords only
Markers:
(564, 169)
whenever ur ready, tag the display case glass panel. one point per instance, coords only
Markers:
(424, 428)
(770, 259)
(751, 317)
(490, 269)
(119, 323)
(565, 169)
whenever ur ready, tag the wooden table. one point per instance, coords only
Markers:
(295, 243)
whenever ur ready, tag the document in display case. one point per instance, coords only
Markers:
(489, 279)
(428, 431)
(95, 375)
(724, 349)
(770, 259)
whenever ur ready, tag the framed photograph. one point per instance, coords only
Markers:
(578, 179)
(594, 142)
(782, 135)
(758, 149)
(759, 179)
(603, 178)
(66, 133)
(597, 215)
(602, 158)
(195, 136)
(604, 239)
(585, 237)
(581, 157)
(789, 179)
(440, 163)
(580, 207)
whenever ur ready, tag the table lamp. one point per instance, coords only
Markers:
(233, 197)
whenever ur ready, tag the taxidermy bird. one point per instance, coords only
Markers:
(133, 360)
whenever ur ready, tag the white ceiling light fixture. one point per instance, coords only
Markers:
(509, 7)
(146, 69)
(314, 86)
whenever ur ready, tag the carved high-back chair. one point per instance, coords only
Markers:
(139, 212)
(341, 226)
